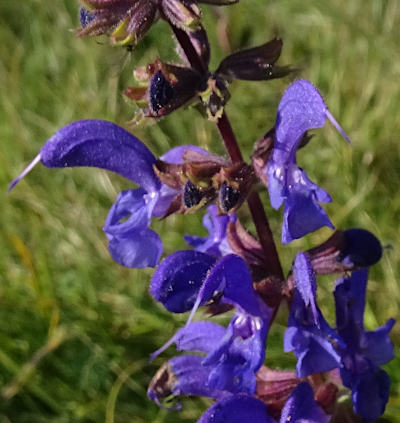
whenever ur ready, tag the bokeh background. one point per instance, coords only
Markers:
(76, 329)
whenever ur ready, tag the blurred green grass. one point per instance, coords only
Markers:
(75, 328)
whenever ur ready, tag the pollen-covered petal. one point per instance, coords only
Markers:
(102, 144)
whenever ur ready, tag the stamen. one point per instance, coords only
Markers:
(189, 320)
(337, 126)
(31, 165)
(162, 349)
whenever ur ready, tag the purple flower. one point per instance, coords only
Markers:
(216, 243)
(364, 351)
(103, 144)
(186, 279)
(299, 408)
(229, 360)
(182, 375)
(301, 108)
(234, 354)
(308, 333)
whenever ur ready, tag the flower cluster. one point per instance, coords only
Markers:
(230, 270)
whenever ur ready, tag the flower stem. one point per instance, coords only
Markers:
(190, 51)
(229, 139)
(228, 136)
(256, 208)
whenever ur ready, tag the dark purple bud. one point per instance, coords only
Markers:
(234, 183)
(362, 248)
(228, 197)
(192, 195)
(215, 96)
(345, 251)
(161, 92)
(200, 43)
(254, 64)
(169, 87)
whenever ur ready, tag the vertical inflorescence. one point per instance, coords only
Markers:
(231, 270)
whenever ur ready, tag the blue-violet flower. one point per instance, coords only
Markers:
(364, 351)
(308, 334)
(102, 144)
(300, 109)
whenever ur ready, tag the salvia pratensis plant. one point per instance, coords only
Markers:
(230, 269)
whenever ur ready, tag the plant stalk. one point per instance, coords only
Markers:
(228, 136)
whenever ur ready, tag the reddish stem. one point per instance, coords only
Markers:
(228, 136)
(256, 208)
(189, 50)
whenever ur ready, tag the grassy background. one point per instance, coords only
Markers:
(76, 329)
